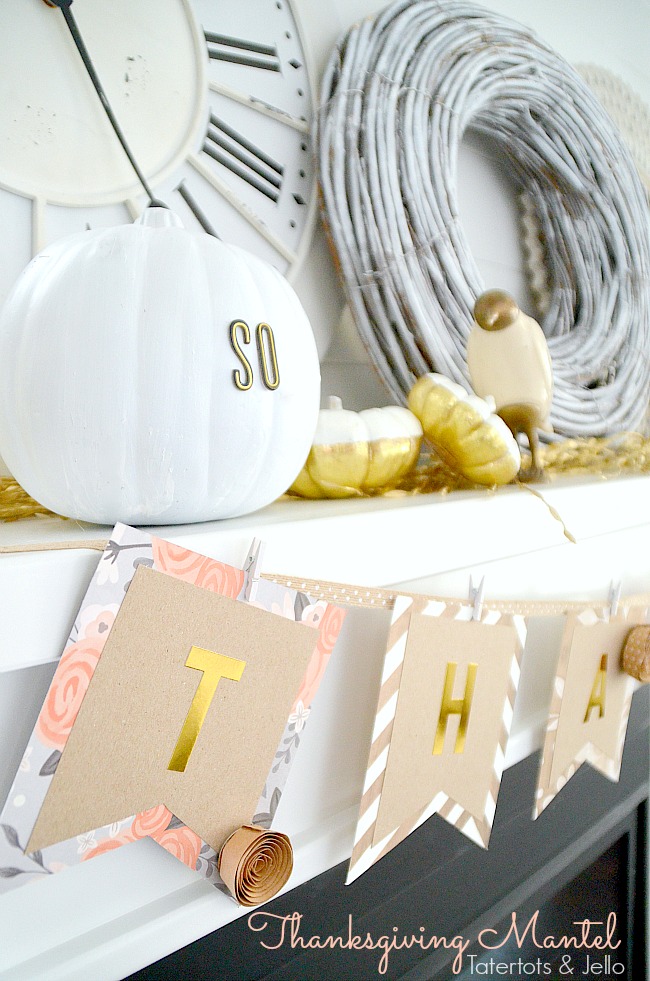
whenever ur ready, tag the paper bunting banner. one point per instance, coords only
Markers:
(591, 700)
(180, 698)
(174, 713)
(443, 718)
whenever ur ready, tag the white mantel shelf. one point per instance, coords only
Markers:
(379, 541)
(125, 909)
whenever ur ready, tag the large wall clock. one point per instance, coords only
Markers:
(215, 99)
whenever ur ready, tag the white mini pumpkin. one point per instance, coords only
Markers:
(358, 452)
(131, 382)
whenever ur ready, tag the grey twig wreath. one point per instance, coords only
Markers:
(398, 94)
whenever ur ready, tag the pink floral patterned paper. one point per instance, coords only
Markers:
(127, 549)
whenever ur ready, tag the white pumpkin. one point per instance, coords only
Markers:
(124, 392)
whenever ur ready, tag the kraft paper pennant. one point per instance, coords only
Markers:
(174, 713)
(172, 647)
(443, 718)
(591, 700)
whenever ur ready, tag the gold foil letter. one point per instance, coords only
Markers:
(243, 384)
(455, 706)
(263, 329)
(214, 667)
(597, 697)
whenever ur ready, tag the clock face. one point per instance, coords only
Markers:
(214, 99)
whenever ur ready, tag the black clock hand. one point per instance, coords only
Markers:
(64, 7)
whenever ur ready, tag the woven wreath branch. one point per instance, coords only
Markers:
(399, 93)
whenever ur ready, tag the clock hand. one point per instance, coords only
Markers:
(64, 7)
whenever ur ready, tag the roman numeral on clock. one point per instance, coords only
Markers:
(196, 209)
(240, 52)
(228, 147)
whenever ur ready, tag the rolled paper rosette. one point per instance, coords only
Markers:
(254, 864)
(635, 659)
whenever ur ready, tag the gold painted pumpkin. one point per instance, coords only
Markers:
(354, 453)
(464, 430)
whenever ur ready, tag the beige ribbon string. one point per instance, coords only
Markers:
(98, 545)
(344, 594)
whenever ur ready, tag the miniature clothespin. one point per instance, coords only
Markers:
(476, 597)
(252, 567)
(614, 597)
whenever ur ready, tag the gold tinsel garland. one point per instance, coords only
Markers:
(16, 503)
(612, 456)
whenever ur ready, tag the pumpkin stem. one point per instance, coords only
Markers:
(334, 402)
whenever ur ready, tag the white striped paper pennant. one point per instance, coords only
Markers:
(367, 850)
(571, 694)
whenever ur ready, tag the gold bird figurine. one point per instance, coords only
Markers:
(508, 358)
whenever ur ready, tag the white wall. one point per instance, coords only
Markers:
(612, 35)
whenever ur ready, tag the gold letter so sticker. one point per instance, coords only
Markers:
(214, 667)
(455, 706)
(266, 350)
(597, 697)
